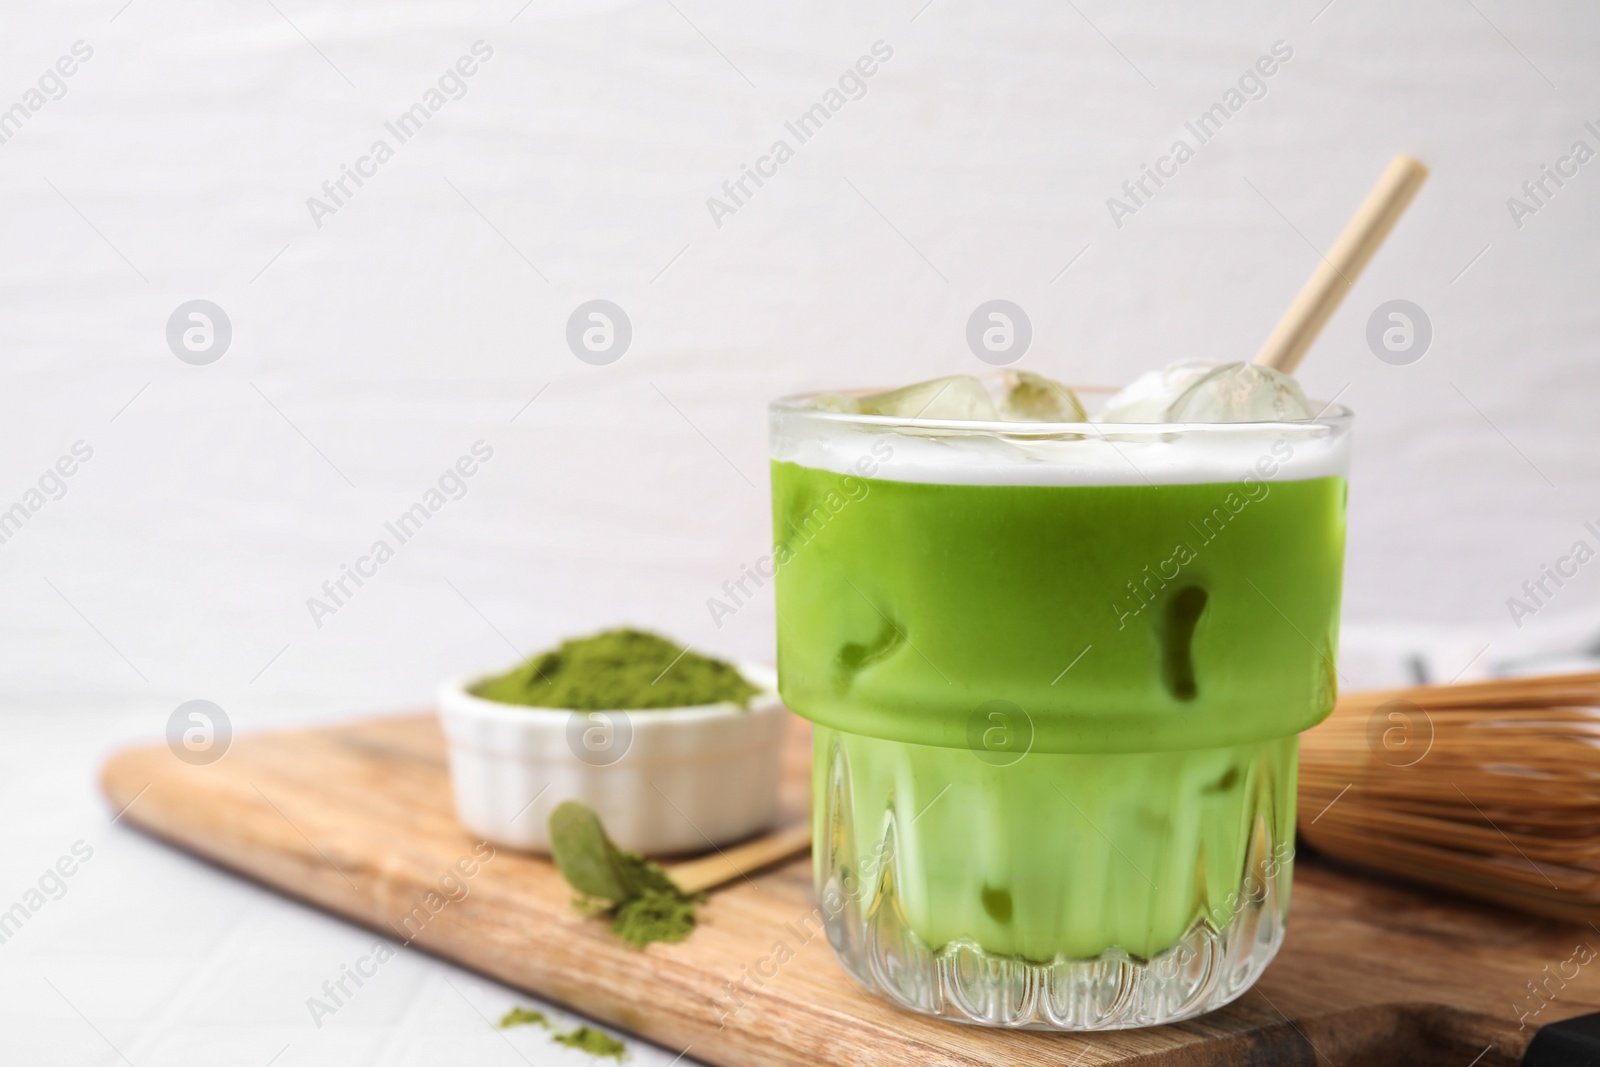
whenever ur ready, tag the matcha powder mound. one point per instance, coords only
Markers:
(622, 670)
(654, 915)
(645, 903)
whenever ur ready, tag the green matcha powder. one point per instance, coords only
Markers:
(621, 670)
(644, 903)
(618, 670)
(587, 1038)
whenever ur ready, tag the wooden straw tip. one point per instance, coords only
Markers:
(1416, 168)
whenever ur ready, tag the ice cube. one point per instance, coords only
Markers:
(1241, 392)
(1026, 397)
(960, 396)
(1152, 393)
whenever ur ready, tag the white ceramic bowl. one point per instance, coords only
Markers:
(664, 780)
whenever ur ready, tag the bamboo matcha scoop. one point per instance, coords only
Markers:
(1341, 267)
(649, 902)
(724, 865)
(593, 865)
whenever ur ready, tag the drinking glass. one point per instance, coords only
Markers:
(1056, 674)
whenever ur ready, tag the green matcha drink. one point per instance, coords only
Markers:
(1057, 673)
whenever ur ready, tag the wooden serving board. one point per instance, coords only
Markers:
(357, 819)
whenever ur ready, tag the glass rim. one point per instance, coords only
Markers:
(1331, 417)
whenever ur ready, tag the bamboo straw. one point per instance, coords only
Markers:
(1497, 797)
(1338, 272)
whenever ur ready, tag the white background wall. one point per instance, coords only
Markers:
(370, 352)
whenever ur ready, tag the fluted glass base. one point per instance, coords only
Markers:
(1062, 892)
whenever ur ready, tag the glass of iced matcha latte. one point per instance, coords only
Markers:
(1057, 665)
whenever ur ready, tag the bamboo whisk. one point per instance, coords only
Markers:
(1490, 790)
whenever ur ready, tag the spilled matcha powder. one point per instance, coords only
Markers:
(645, 904)
(594, 1042)
(524, 1017)
(587, 1038)
(618, 670)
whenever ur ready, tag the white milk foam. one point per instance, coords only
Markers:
(1230, 453)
